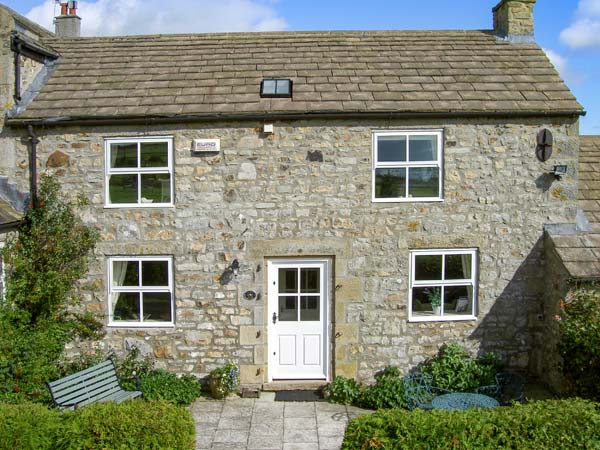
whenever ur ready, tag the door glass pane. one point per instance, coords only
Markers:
(423, 148)
(123, 155)
(309, 308)
(157, 307)
(423, 182)
(127, 306)
(154, 154)
(458, 300)
(155, 273)
(123, 188)
(125, 273)
(288, 281)
(428, 267)
(288, 309)
(391, 149)
(458, 267)
(156, 188)
(309, 280)
(390, 183)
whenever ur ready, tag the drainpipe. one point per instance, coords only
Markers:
(33, 165)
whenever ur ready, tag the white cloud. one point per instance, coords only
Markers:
(560, 62)
(585, 29)
(126, 17)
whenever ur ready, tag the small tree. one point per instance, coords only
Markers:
(579, 346)
(44, 260)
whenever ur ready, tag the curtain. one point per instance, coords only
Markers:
(119, 269)
(466, 266)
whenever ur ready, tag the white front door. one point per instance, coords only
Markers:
(298, 319)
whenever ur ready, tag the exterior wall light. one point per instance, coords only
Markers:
(235, 267)
(559, 171)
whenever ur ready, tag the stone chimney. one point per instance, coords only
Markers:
(68, 24)
(513, 20)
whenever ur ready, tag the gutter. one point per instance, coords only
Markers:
(124, 120)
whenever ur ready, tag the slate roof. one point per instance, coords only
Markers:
(579, 253)
(337, 73)
(9, 217)
(589, 178)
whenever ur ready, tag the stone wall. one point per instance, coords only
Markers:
(262, 197)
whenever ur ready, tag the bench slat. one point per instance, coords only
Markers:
(85, 385)
(81, 374)
(87, 392)
(76, 378)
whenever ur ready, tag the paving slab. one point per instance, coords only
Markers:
(263, 424)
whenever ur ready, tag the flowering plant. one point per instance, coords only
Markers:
(224, 380)
(434, 296)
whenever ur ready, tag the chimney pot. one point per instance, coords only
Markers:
(68, 24)
(513, 20)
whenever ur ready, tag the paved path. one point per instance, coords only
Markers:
(263, 424)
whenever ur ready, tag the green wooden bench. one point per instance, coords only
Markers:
(98, 383)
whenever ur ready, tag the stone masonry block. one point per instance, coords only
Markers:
(251, 374)
(349, 370)
(252, 335)
(346, 334)
(349, 290)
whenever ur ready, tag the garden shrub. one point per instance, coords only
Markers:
(455, 370)
(387, 392)
(556, 424)
(579, 345)
(343, 390)
(162, 385)
(130, 425)
(28, 426)
(224, 380)
(43, 261)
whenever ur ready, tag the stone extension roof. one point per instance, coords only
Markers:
(579, 253)
(9, 217)
(25, 22)
(589, 178)
(336, 73)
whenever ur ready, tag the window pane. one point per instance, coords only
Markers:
(157, 307)
(458, 300)
(423, 301)
(154, 154)
(458, 267)
(269, 86)
(391, 148)
(283, 87)
(288, 281)
(155, 273)
(127, 306)
(309, 309)
(424, 182)
(390, 183)
(156, 188)
(428, 267)
(288, 309)
(123, 155)
(423, 148)
(309, 279)
(123, 188)
(125, 273)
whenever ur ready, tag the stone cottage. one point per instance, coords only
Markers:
(308, 204)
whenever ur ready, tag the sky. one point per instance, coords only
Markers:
(568, 30)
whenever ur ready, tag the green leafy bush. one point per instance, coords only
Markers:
(130, 425)
(343, 390)
(162, 385)
(455, 370)
(579, 345)
(28, 426)
(44, 260)
(567, 425)
(387, 392)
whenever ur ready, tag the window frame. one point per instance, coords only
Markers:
(445, 283)
(439, 164)
(140, 289)
(108, 171)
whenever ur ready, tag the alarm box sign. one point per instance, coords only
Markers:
(206, 145)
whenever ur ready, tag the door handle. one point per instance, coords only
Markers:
(274, 317)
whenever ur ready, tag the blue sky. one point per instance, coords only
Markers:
(569, 30)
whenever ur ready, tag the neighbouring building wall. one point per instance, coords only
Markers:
(262, 197)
